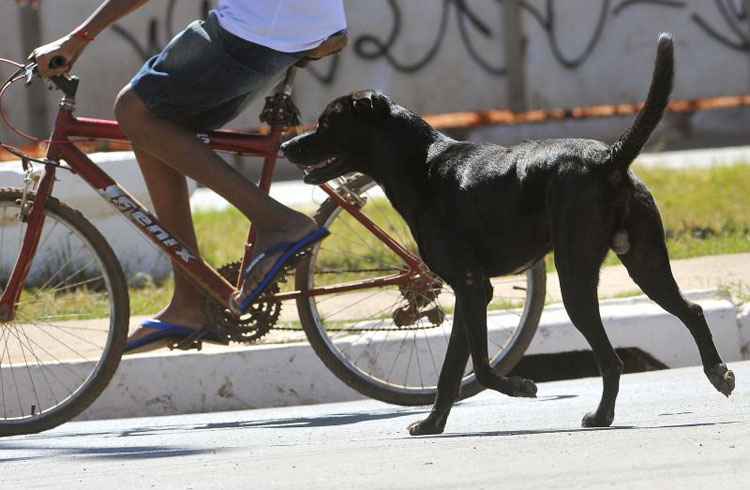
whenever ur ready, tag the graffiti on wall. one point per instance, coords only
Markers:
(736, 30)
(160, 30)
(733, 32)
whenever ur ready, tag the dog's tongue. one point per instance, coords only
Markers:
(317, 176)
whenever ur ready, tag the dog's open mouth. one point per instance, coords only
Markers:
(325, 170)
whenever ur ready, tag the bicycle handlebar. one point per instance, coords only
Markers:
(67, 84)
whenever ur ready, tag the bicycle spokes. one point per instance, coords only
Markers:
(55, 346)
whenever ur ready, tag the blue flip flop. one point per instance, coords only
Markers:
(289, 250)
(164, 331)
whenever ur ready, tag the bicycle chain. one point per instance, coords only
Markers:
(417, 297)
(264, 313)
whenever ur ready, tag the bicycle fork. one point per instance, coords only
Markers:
(34, 219)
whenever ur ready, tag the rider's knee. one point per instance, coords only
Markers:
(129, 110)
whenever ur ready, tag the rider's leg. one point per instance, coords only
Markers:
(178, 148)
(200, 81)
(169, 194)
(167, 150)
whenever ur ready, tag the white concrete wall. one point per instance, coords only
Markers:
(135, 253)
(743, 318)
(619, 68)
(454, 78)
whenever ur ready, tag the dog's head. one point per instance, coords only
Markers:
(343, 140)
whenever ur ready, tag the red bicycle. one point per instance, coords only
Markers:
(372, 311)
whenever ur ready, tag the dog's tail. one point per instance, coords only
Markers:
(629, 145)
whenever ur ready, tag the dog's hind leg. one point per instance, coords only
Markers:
(582, 304)
(449, 384)
(472, 298)
(647, 263)
(581, 236)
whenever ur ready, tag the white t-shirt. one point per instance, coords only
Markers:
(284, 25)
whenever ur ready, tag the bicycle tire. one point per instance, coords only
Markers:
(116, 286)
(315, 329)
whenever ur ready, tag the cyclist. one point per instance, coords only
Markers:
(200, 81)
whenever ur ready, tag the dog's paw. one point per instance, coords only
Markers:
(594, 419)
(722, 378)
(522, 387)
(425, 427)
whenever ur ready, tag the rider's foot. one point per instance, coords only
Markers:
(184, 314)
(293, 230)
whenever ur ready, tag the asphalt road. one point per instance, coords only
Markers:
(671, 431)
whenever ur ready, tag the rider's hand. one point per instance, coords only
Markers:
(69, 48)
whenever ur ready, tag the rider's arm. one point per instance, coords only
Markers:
(71, 46)
(107, 14)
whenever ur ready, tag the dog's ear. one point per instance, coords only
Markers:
(362, 101)
(370, 104)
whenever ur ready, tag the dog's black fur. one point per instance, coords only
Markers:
(479, 211)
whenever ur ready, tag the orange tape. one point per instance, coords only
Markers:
(467, 120)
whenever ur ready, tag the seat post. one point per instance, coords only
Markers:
(279, 110)
(280, 113)
(286, 86)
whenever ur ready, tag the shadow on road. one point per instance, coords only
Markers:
(32, 443)
(553, 398)
(290, 422)
(115, 453)
(502, 433)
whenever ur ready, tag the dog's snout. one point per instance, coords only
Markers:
(291, 148)
(285, 147)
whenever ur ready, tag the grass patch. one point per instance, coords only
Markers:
(626, 294)
(221, 235)
(150, 299)
(705, 212)
(739, 291)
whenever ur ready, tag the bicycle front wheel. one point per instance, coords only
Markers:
(389, 342)
(66, 340)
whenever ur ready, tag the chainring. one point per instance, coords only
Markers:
(254, 324)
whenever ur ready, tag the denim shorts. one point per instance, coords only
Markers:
(206, 75)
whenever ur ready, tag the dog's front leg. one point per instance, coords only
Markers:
(449, 384)
(472, 296)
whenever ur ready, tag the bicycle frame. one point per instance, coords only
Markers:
(62, 148)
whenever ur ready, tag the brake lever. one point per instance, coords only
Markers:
(66, 83)
(29, 71)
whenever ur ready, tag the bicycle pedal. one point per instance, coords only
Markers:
(187, 344)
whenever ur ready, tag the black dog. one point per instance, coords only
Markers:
(479, 211)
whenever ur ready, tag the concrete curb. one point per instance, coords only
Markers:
(639, 322)
(743, 319)
(291, 374)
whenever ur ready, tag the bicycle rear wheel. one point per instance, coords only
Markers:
(71, 323)
(369, 338)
